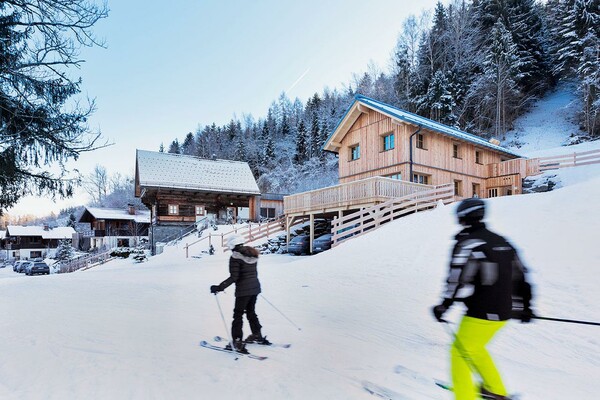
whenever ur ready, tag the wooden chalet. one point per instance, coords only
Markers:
(180, 190)
(386, 153)
(28, 242)
(113, 227)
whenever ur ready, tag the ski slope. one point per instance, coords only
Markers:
(132, 331)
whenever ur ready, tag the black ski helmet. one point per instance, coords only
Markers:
(470, 209)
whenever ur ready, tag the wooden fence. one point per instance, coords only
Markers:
(369, 190)
(250, 233)
(84, 262)
(373, 217)
(570, 160)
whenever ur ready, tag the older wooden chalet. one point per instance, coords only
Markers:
(386, 154)
(180, 190)
(28, 242)
(113, 227)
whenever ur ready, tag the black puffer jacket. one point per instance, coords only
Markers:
(243, 272)
(487, 275)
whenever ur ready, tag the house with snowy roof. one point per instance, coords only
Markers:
(180, 190)
(114, 227)
(28, 242)
(386, 154)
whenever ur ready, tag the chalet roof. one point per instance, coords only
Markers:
(167, 170)
(62, 232)
(353, 112)
(140, 216)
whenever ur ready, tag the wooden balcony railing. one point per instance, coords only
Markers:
(522, 166)
(366, 191)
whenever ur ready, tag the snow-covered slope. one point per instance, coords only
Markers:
(131, 331)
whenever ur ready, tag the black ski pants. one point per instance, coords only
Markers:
(245, 304)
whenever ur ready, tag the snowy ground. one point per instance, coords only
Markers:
(131, 331)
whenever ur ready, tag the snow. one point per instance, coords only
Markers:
(61, 232)
(124, 330)
(140, 216)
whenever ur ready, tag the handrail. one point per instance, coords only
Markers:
(370, 218)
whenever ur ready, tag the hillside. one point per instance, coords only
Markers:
(131, 331)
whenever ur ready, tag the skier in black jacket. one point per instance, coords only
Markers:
(488, 276)
(243, 272)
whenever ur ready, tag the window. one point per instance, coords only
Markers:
(420, 178)
(267, 212)
(199, 210)
(388, 142)
(355, 152)
(457, 188)
(421, 141)
(395, 176)
(478, 157)
(476, 189)
(455, 150)
(493, 192)
(173, 209)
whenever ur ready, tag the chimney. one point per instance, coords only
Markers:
(46, 227)
(495, 142)
(214, 157)
(130, 209)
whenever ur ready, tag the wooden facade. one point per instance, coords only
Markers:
(436, 159)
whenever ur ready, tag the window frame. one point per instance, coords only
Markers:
(396, 176)
(388, 141)
(456, 151)
(417, 175)
(458, 187)
(420, 141)
(202, 210)
(353, 153)
(478, 157)
(173, 209)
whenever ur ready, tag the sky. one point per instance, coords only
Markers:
(166, 70)
(129, 331)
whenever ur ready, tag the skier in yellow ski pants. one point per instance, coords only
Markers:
(488, 277)
(468, 355)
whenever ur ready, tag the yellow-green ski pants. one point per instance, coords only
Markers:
(469, 355)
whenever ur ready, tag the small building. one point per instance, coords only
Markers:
(28, 242)
(270, 205)
(113, 227)
(180, 190)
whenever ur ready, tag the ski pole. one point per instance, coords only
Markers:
(226, 330)
(571, 321)
(264, 298)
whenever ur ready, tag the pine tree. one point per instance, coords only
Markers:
(174, 148)
(65, 251)
(301, 154)
(42, 124)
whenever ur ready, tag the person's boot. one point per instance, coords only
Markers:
(486, 394)
(238, 346)
(258, 339)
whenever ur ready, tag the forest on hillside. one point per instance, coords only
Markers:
(475, 65)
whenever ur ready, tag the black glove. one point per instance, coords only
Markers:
(438, 312)
(214, 289)
(526, 315)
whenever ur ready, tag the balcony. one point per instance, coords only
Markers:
(351, 195)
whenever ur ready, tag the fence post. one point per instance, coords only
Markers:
(186, 250)
(222, 241)
(574, 159)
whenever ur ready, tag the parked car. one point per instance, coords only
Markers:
(20, 266)
(299, 245)
(322, 243)
(38, 267)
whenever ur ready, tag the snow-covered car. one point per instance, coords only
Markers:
(299, 245)
(20, 266)
(38, 267)
(322, 243)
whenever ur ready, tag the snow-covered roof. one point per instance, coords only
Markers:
(417, 120)
(2, 234)
(167, 170)
(140, 216)
(62, 232)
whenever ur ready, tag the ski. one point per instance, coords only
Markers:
(381, 391)
(207, 345)
(284, 345)
(447, 386)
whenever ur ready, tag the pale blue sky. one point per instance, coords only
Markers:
(172, 66)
